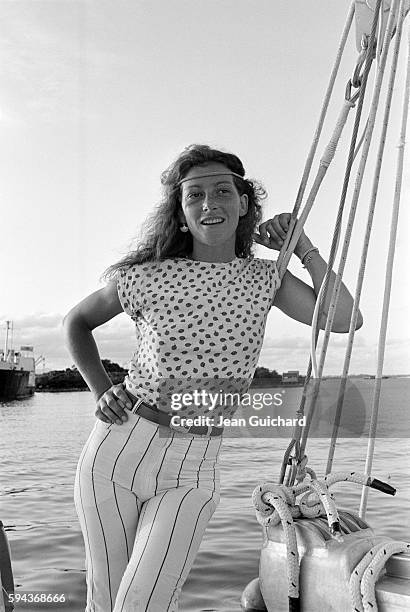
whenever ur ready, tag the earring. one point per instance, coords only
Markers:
(184, 228)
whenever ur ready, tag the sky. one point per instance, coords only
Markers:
(98, 98)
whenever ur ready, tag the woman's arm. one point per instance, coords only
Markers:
(294, 297)
(93, 311)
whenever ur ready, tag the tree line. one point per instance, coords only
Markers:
(71, 379)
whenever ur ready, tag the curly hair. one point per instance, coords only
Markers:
(162, 237)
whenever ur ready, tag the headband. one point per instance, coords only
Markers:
(230, 173)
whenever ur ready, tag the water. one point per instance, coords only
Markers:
(42, 438)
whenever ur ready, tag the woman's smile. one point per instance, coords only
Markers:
(212, 220)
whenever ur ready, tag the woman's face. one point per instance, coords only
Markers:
(211, 205)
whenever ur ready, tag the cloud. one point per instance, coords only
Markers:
(300, 342)
(398, 342)
(286, 342)
(44, 331)
(293, 353)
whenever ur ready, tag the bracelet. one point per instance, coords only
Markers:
(306, 254)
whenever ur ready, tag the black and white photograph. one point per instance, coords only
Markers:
(204, 306)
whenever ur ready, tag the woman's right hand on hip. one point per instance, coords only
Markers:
(111, 405)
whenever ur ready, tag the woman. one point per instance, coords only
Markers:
(145, 486)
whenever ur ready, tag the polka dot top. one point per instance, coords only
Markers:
(199, 327)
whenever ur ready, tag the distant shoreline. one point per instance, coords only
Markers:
(62, 390)
(266, 384)
(67, 381)
(68, 389)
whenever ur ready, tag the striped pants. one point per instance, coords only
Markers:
(144, 496)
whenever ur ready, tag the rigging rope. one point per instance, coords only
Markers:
(359, 179)
(372, 205)
(338, 277)
(298, 430)
(324, 163)
(389, 273)
(360, 173)
(311, 155)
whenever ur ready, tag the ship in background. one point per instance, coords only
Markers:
(17, 370)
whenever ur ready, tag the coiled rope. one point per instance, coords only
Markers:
(276, 503)
(362, 584)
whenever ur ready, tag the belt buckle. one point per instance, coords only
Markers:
(179, 428)
(137, 405)
(185, 429)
